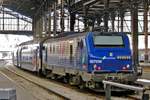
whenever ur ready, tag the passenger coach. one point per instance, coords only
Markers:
(29, 56)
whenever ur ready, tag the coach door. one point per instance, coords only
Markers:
(44, 55)
(34, 60)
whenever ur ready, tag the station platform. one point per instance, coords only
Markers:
(146, 70)
(7, 83)
(145, 64)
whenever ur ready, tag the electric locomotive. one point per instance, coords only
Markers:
(85, 59)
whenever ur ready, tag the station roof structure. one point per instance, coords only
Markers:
(29, 7)
(99, 7)
(21, 10)
(93, 8)
(24, 7)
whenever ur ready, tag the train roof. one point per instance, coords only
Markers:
(26, 42)
(74, 34)
(109, 33)
(30, 42)
(65, 35)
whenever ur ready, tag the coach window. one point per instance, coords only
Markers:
(71, 52)
(50, 49)
(78, 45)
(53, 49)
(57, 51)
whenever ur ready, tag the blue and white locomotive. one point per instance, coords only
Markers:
(85, 59)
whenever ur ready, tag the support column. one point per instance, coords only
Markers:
(118, 23)
(37, 27)
(62, 16)
(91, 22)
(68, 22)
(78, 24)
(18, 24)
(72, 21)
(113, 20)
(85, 18)
(106, 15)
(55, 19)
(45, 23)
(145, 27)
(49, 21)
(99, 20)
(40, 27)
(134, 32)
(34, 26)
(3, 20)
(122, 19)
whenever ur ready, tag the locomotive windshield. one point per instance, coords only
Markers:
(108, 41)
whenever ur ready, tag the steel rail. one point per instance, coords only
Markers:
(41, 86)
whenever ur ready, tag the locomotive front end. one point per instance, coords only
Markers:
(110, 57)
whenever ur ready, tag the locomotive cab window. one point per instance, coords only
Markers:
(108, 41)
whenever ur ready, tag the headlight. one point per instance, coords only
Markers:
(128, 66)
(96, 67)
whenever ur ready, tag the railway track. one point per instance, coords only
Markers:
(37, 91)
(61, 90)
